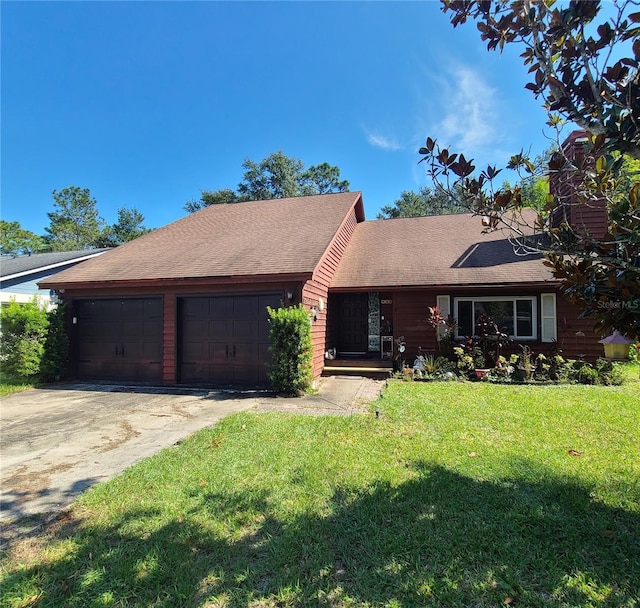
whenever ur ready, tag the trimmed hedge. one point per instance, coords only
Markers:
(291, 348)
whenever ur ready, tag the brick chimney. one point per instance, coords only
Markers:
(584, 216)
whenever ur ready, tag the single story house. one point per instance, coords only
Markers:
(20, 274)
(187, 303)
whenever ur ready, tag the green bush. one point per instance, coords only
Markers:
(55, 358)
(587, 375)
(609, 373)
(290, 335)
(24, 331)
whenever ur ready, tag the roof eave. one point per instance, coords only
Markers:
(358, 208)
(545, 283)
(172, 282)
(69, 262)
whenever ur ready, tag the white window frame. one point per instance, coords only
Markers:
(514, 299)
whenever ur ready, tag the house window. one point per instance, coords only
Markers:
(514, 316)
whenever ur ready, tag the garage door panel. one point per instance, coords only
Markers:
(119, 339)
(152, 309)
(152, 351)
(237, 334)
(194, 330)
(220, 329)
(150, 329)
(245, 330)
(245, 353)
(220, 307)
(195, 308)
(194, 351)
(245, 306)
(140, 352)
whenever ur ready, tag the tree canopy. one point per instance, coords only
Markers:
(276, 176)
(16, 240)
(426, 201)
(585, 72)
(74, 223)
(128, 227)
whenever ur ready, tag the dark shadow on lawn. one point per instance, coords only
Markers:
(440, 539)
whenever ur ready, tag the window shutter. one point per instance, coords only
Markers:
(444, 304)
(549, 328)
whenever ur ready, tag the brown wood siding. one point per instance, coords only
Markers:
(318, 287)
(310, 294)
(571, 344)
(410, 321)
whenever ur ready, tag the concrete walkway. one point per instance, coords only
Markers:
(56, 442)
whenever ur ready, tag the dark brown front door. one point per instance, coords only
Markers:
(225, 339)
(353, 314)
(118, 339)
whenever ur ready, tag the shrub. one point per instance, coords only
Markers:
(436, 367)
(609, 373)
(465, 363)
(55, 358)
(587, 375)
(290, 335)
(24, 330)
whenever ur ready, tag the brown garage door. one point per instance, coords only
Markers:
(225, 339)
(118, 339)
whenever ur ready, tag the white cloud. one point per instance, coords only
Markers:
(471, 115)
(463, 111)
(380, 141)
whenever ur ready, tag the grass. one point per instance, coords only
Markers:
(459, 494)
(9, 386)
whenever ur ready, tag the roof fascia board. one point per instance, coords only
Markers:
(447, 286)
(358, 206)
(181, 282)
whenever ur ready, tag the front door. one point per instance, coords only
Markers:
(353, 315)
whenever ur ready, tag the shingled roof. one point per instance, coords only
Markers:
(433, 251)
(256, 238)
(17, 266)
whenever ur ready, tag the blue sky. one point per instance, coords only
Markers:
(147, 103)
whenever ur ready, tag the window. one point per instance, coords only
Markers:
(514, 316)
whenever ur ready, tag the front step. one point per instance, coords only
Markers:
(371, 368)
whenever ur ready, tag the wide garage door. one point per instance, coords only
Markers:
(225, 339)
(118, 339)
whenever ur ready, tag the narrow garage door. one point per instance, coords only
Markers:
(225, 339)
(118, 339)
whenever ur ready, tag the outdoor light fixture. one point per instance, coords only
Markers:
(290, 296)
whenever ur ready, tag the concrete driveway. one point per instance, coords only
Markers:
(56, 442)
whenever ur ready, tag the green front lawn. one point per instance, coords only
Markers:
(459, 494)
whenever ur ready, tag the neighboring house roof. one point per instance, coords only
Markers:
(431, 251)
(24, 265)
(255, 238)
